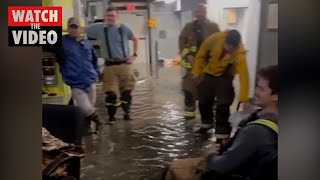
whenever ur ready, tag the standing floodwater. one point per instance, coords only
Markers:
(140, 149)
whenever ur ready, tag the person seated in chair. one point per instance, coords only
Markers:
(256, 138)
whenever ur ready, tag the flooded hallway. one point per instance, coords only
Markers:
(143, 147)
(145, 44)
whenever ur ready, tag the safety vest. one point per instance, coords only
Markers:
(185, 52)
(270, 124)
(264, 122)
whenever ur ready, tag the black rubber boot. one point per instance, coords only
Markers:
(126, 99)
(111, 104)
(127, 117)
(189, 106)
(112, 110)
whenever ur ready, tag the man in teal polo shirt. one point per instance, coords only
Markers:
(118, 79)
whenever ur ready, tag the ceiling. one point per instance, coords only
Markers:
(129, 1)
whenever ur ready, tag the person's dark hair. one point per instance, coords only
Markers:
(112, 8)
(233, 38)
(98, 20)
(270, 73)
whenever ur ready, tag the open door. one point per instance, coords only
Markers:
(137, 22)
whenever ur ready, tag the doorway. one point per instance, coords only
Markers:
(137, 22)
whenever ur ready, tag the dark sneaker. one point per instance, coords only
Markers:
(127, 117)
(203, 129)
(98, 120)
(99, 127)
(90, 131)
(112, 121)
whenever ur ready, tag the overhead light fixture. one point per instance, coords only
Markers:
(169, 1)
(130, 8)
(165, 1)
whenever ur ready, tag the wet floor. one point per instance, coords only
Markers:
(142, 148)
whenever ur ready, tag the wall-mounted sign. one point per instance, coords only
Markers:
(231, 16)
(152, 22)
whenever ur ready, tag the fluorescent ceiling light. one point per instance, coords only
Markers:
(165, 1)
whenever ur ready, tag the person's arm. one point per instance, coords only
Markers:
(91, 31)
(132, 37)
(95, 61)
(244, 147)
(242, 70)
(135, 40)
(183, 37)
(201, 57)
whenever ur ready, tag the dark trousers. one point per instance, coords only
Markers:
(189, 101)
(190, 93)
(217, 90)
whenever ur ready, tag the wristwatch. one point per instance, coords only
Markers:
(135, 54)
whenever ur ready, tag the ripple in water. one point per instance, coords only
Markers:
(142, 148)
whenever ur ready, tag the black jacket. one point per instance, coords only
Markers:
(249, 146)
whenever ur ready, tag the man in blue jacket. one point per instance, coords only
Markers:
(79, 69)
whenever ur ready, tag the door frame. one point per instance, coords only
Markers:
(147, 38)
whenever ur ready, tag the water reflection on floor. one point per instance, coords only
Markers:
(141, 149)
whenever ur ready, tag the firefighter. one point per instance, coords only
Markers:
(226, 57)
(190, 40)
(118, 77)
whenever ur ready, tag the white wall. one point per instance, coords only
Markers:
(168, 21)
(268, 49)
(170, 24)
(137, 22)
(99, 10)
(186, 17)
(249, 30)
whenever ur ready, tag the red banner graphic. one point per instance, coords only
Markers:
(30, 15)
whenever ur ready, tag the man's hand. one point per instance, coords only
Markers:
(131, 59)
(214, 150)
(195, 76)
(197, 79)
(190, 59)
